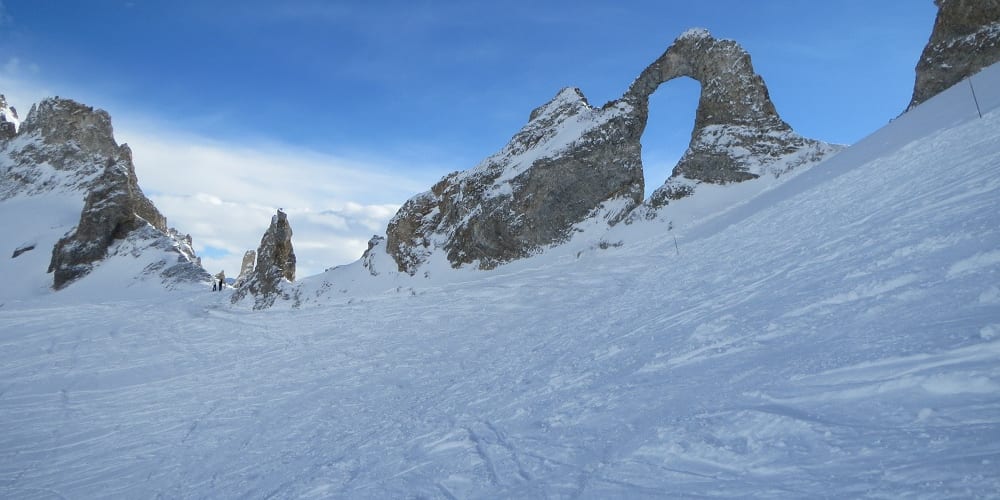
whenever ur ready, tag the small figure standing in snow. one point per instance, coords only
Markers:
(214, 286)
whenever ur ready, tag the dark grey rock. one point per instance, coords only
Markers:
(965, 39)
(22, 249)
(114, 207)
(8, 120)
(275, 266)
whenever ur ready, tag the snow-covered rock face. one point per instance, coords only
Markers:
(275, 266)
(572, 162)
(67, 150)
(8, 120)
(61, 146)
(114, 207)
(737, 134)
(965, 39)
(568, 160)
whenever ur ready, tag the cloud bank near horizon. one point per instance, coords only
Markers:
(224, 195)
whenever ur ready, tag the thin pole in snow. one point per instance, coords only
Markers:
(675, 245)
(974, 99)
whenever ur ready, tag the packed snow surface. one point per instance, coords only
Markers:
(835, 336)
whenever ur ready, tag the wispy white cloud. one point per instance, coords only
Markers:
(224, 195)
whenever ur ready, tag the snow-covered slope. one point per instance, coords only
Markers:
(836, 336)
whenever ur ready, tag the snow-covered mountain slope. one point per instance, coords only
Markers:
(836, 336)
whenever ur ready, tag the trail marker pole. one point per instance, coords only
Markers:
(677, 248)
(974, 99)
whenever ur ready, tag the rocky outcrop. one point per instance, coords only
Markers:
(114, 207)
(368, 261)
(965, 39)
(8, 120)
(566, 162)
(275, 266)
(246, 267)
(572, 162)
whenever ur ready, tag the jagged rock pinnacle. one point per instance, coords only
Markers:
(8, 120)
(965, 39)
(275, 265)
(246, 267)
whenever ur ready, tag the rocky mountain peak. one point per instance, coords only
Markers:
(67, 122)
(965, 39)
(9, 121)
(62, 146)
(275, 265)
(568, 160)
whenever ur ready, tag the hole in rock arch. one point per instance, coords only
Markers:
(668, 130)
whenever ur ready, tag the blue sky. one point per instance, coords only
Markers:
(411, 90)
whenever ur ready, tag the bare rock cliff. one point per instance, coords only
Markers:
(8, 120)
(965, 39)
(115, 206)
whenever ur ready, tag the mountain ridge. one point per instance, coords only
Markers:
(573, 161)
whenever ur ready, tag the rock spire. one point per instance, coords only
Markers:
(8, 120)
(965, 39)
(275, 266)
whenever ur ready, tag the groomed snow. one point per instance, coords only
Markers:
(834, 336)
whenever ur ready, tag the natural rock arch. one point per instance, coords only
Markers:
(738, 134)
(572, 162)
